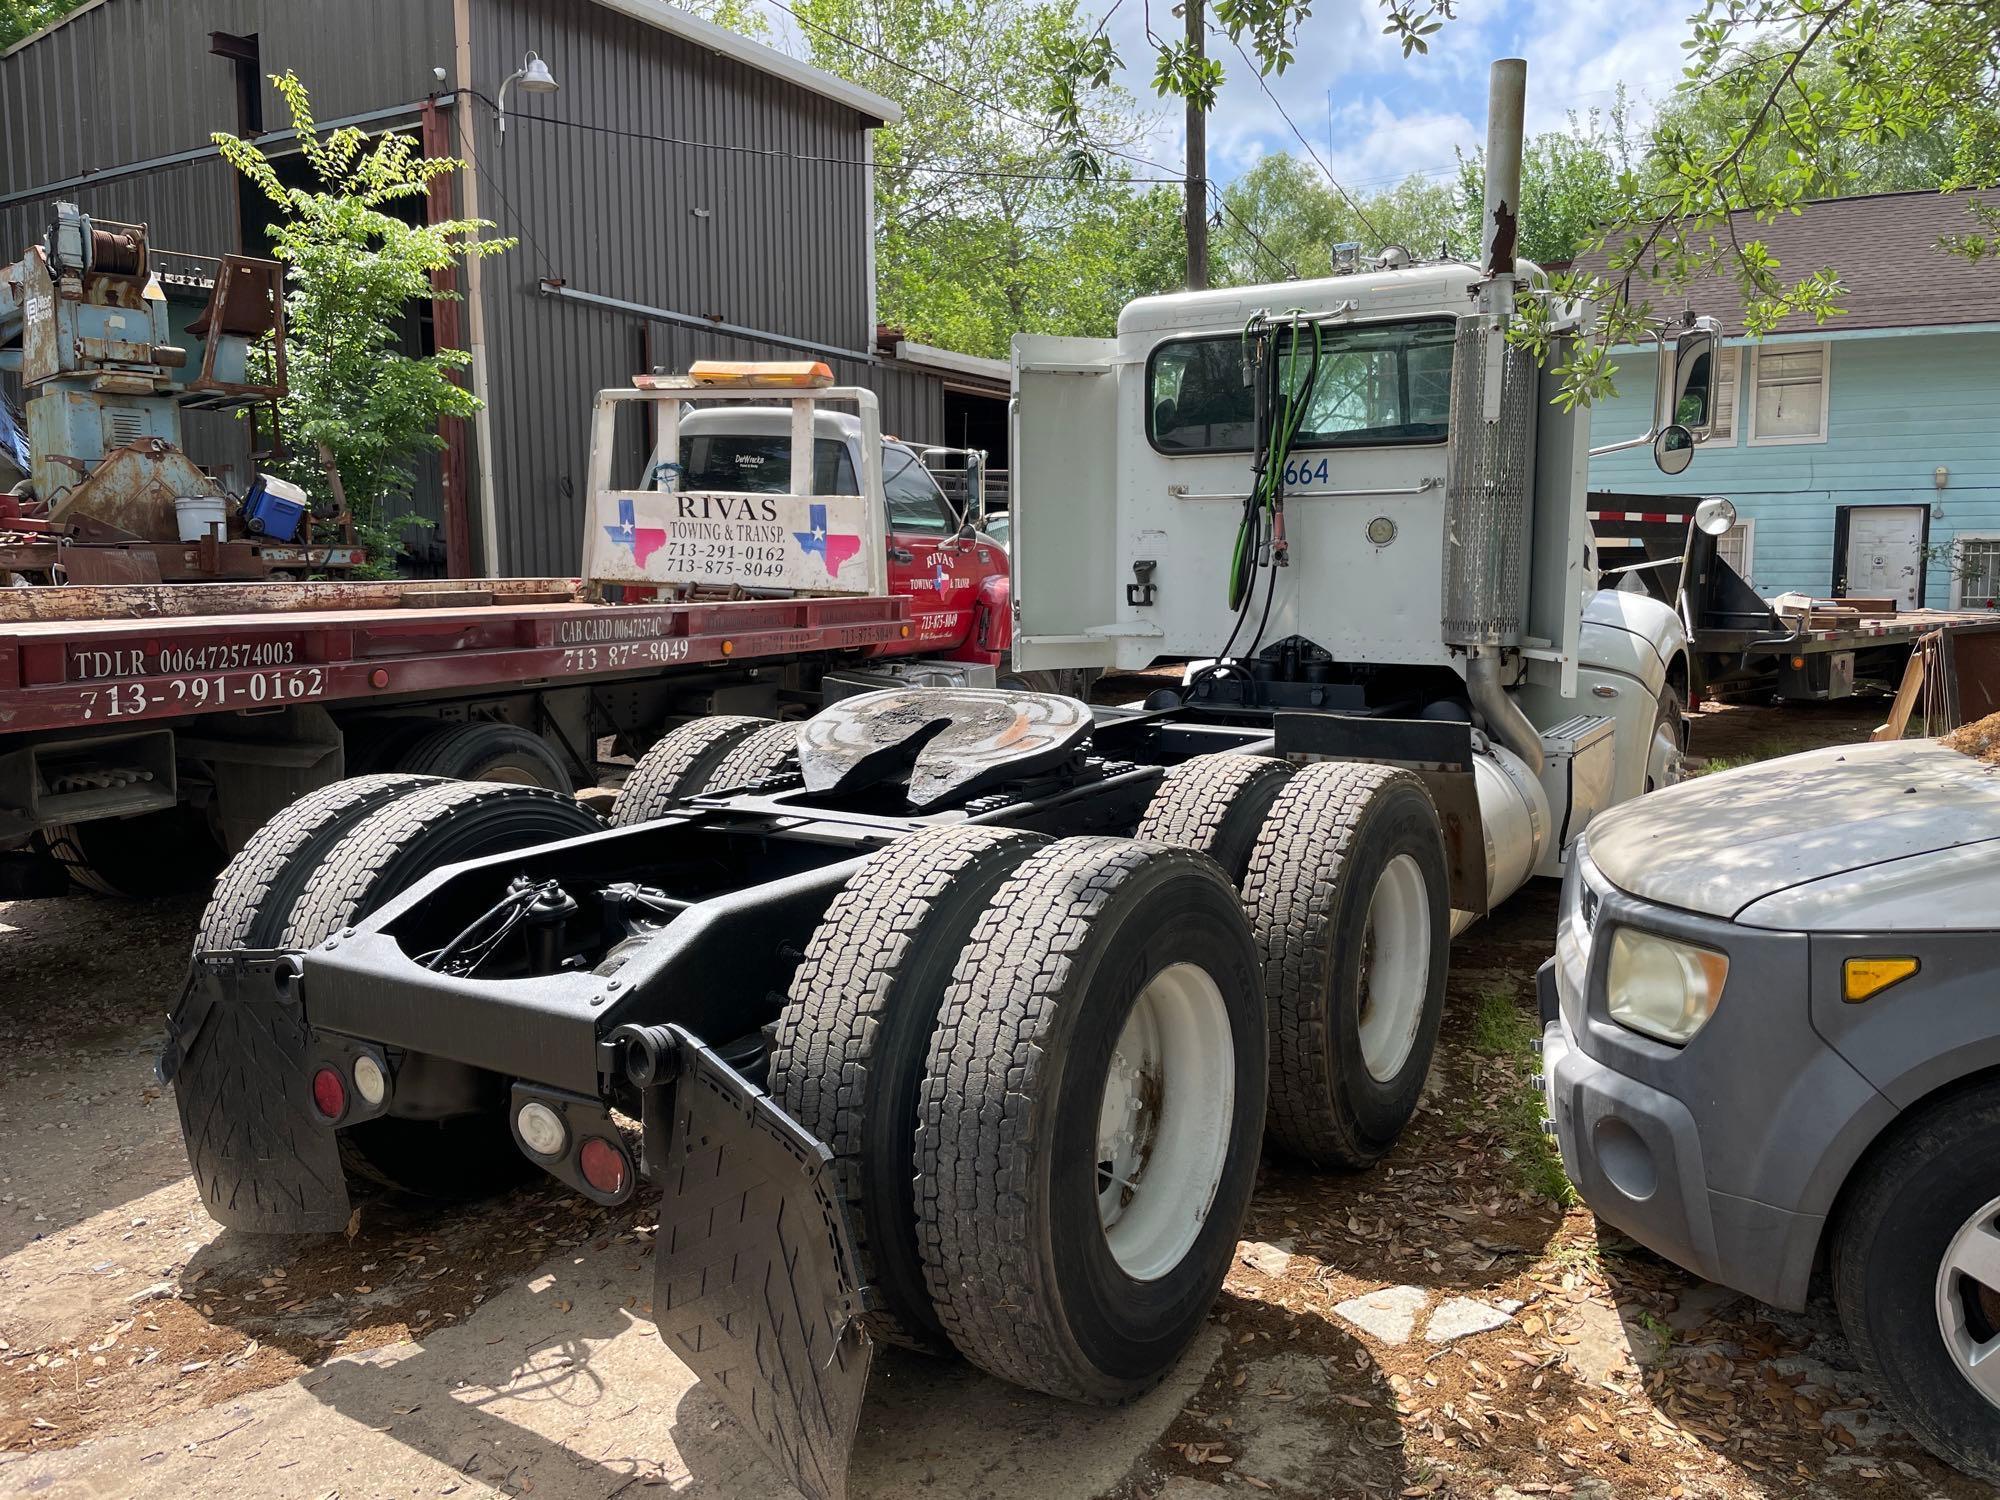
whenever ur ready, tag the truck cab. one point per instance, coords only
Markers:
(1355, 505)
(956, 575)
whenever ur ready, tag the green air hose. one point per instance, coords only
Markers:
(1280, 411)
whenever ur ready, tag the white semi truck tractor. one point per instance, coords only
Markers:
(1353, 494)
(960, 1018)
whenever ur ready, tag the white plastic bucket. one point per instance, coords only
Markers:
(199, 515)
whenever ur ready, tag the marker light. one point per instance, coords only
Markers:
(603, 1165)
(1864, 978)
(542, 1129)
(329, 1091)
(369, 1081)
(752, 374)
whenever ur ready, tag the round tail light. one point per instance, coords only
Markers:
(604, 1166)
(329, 1091)
(542, 1129)
(369, 1080)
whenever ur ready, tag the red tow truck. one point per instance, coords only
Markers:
(146, 730)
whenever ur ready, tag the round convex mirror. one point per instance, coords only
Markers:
(1673, 449)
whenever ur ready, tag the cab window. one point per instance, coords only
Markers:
(914, 499)
(1377, 385)
(761, 464)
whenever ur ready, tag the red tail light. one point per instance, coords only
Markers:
(329, 1091)
(604, 1166)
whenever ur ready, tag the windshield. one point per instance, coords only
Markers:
(761, 464)
(1378, 385)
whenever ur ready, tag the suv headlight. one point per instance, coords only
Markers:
(1663, 988)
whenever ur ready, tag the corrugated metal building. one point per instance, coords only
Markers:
(686, 194)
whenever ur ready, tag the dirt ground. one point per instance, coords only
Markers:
(503, 1349)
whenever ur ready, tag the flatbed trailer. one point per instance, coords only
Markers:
(221, 703)
(1741, 644)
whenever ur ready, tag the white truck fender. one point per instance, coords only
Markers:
(1632, 635)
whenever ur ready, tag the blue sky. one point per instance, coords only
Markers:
(1392, 116)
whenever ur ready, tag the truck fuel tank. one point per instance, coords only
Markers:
(1514, 818)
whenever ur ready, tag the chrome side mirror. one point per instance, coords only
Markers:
(1715, 515)
(1691, 396)
(1673, 450)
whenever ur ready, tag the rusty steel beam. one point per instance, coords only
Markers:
(446, 334)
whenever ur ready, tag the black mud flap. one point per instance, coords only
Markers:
(755, 1286)
(236, 1057)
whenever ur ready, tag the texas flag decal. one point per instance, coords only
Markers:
(643, 540)
(834, 548)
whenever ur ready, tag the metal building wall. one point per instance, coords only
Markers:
(125, 81)
(766, 242)
(129, 81)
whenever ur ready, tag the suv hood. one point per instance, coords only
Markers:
(1717, 844)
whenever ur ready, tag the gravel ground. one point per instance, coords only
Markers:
(144, 1351)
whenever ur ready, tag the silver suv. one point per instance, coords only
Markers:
(1771, 1038)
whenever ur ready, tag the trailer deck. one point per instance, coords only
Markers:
(83, 666)
(1743, 642)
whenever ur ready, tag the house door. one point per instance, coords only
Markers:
(1885, 553)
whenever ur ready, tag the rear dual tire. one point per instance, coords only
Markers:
(1348, 892)
(856, 1029)
(1040, 1068)
(715, 754)
(1045, 1265)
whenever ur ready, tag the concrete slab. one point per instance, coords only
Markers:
(1462, 1317)
(559, 1387)
(1388, 1315)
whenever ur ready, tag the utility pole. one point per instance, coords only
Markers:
(1196, 213)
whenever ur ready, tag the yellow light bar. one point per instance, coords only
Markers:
(751, 374)
(1864, 978)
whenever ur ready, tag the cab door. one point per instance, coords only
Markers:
(941, 574)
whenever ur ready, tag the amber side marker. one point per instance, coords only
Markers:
(1865, 978)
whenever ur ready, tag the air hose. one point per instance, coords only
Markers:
(1272, 359)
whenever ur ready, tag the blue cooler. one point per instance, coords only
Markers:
(275, 509)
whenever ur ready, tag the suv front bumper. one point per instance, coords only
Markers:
(1706, 1154)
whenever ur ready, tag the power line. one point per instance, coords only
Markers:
(1238, 220)
(1311, 150)
(773, 154)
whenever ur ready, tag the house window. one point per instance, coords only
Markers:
(1788, 394)
(1737, 546)
(1728, 363)
(1975, 580)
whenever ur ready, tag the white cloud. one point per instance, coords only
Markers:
(1392, 116)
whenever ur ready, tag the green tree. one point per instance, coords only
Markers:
(1699, 125)
(358, 407)
(19, 18)
(1810, 93)
(1299, 218)
(739, 16)
(1574, 182)
(982, 231)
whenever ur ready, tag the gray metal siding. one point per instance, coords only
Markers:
(130, 80)
(782, 245)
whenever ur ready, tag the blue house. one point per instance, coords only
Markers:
(1863, 455)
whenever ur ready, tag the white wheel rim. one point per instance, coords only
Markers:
(1971, 1262)
(1163, 1127)
(1395, 967)
(1663, 761)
